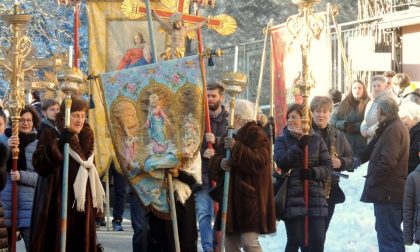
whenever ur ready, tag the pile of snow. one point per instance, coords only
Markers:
(352, 227)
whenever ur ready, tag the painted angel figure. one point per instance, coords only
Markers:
(190, 143)
(155, 123)
(178, 31)
(127, 127)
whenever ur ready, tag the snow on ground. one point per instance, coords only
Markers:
(352, 227)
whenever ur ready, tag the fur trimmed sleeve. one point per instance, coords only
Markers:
(251, 152)
(47, 156)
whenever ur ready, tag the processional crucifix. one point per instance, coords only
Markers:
(304, 27)
(175, 11)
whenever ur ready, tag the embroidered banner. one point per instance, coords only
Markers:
(115, 42)
(155, 116)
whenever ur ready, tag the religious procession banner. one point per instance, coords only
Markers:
(277, 76)
(115, 42)
(155, 115)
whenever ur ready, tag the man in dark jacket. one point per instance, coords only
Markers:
(218, 125)
(386, 175)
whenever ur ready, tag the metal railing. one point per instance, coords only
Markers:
(249, 62)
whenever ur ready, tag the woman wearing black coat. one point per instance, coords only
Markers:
(3, 230)
(288, 155)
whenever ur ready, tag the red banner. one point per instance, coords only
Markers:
(277, 76)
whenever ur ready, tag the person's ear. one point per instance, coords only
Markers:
(44, 113)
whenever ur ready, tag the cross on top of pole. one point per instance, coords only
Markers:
(222, 24)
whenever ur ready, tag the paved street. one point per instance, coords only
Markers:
(111, 240)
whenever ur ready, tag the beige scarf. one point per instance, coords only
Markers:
(87, 170)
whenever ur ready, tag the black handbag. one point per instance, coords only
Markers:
(280, 190)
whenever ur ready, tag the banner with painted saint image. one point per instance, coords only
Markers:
(155, 116)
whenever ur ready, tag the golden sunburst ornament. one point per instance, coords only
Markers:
(129, 9)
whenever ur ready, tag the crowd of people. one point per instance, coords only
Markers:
(382, 127)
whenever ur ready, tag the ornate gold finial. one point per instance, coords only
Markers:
(303, 27)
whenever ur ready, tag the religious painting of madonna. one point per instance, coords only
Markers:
(155, 115)
(128, 43)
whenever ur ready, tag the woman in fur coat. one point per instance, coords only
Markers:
(85, 192)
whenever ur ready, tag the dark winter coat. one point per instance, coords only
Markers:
(25, 186)
(218, 126)
(411, 211)
(387, 169)
(45, 226)
(413, 156)
(3, 174)
(46, 123)
(356, 140)
(288, 155)
(331, 135)
(251, 199)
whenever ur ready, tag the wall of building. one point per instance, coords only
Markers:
(411, 52)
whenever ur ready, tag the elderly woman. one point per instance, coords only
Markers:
(25, 176)
(370, 122)
(386, 175)
(289, 156)
(410, 116)
(85, 192)
(251, 202)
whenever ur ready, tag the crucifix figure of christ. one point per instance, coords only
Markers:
(176, 28)
(175, 11)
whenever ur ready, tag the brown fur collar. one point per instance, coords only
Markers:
(83, 143)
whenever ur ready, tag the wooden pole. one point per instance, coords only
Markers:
(173, 213)
(310, 26)
(227, 176)
(65, 185)
(108, 214)
(206, 113)
(260, 79)
(76, 34)
(15, 157)
(236, 82)
(151, 33)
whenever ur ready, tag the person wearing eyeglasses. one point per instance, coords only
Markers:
(25, 176)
